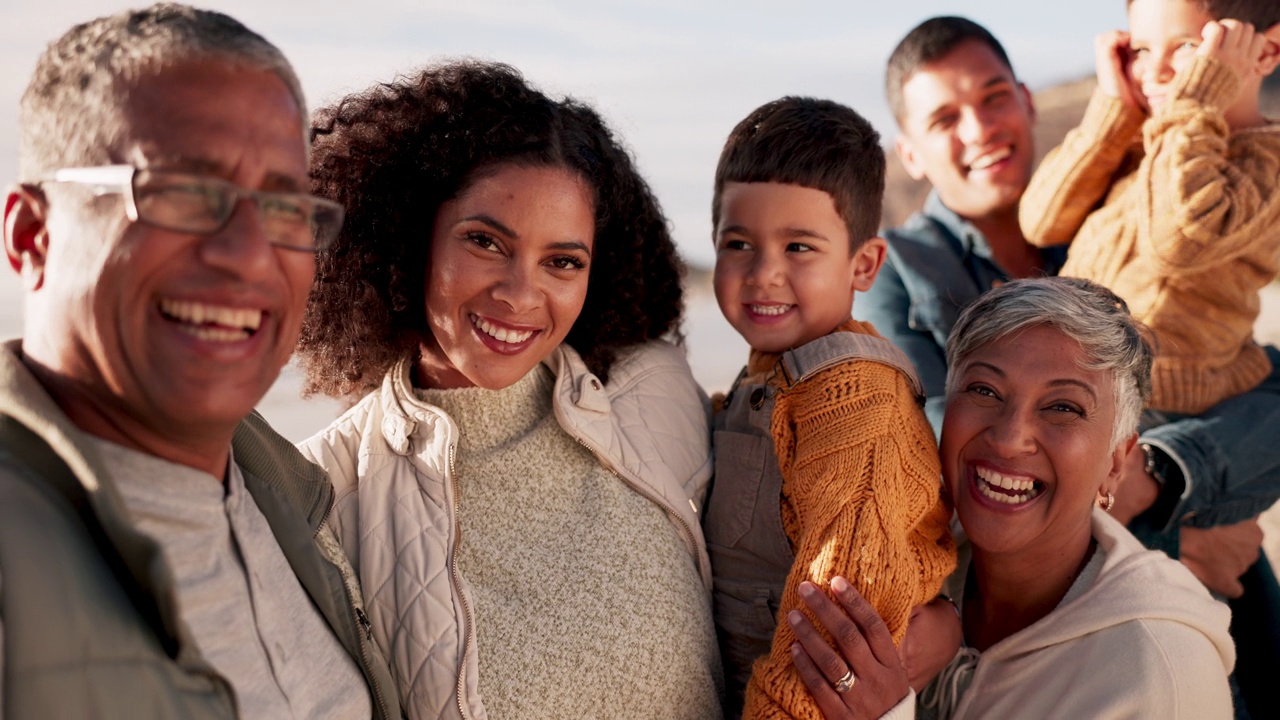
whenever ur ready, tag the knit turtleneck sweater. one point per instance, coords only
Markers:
(580, 585)
(1178, 215)
(861, 498)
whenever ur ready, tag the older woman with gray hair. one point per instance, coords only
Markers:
(1064, 613)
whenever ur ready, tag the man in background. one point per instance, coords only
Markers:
(965, 124)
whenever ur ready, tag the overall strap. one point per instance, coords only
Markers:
(813, 357)
(20, 443)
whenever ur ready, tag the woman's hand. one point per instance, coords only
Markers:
(865, 649)
(933, 637)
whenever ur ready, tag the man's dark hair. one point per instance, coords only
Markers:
(813, 143)
(929, 42)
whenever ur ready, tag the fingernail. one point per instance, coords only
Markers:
(795, 649)
(794, 617)
(806, 589)
(839, 584)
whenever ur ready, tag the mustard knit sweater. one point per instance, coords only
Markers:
(1179, 216)
(861, 498)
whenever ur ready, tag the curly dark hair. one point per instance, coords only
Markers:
(393, 153)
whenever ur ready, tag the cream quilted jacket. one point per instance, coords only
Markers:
(391, 457)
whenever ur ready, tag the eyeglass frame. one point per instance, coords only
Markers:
(119, 179)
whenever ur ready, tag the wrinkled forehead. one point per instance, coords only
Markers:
(234, 121)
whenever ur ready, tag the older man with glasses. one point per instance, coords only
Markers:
(162, 552)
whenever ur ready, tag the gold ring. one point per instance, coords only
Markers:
(845, 684)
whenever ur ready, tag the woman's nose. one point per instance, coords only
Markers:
(518, 290)
(1011, 434)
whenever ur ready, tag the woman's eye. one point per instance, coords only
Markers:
(484, 241)
(1066, 407)
(567, 262)
(981, 391)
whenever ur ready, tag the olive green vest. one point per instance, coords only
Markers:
(88, 604)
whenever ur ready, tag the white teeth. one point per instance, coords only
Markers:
(1020, 490)
(216, 334)
(240, 321)
(770, 309)
(501, 334)
(990, 159)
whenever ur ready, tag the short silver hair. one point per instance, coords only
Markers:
(72, 112)
(1096, 318)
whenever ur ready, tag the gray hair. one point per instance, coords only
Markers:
(1093, 316)
(72, 112)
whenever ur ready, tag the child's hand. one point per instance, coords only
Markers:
(1112, 51)
(933, 637)
(1235, 44)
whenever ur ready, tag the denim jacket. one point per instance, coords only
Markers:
(937, 264)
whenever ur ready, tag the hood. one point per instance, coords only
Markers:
(1134, 584)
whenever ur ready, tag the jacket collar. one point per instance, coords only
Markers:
(581, 401)
(971, 241)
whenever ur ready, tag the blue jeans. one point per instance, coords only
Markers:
(1229, 458)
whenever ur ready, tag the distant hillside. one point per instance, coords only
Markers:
(1058, 109)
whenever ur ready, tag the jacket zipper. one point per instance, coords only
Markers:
(365, 636)
(653, 497)
(453, 571)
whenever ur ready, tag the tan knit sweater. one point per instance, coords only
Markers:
(586, 604)
(861, 498)
(1180, 217)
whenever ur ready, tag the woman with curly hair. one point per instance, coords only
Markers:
(519, 486)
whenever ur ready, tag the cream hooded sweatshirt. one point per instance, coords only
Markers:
(1143, 639)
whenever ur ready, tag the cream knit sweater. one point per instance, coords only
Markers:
(580, 585)
(1180, 217)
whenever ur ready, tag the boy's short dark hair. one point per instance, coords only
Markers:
(813, 143)
(1262, 14)
(928, 42)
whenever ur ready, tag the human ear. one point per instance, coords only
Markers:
(867, 261)
(1116, 472)
(1027, 98)
(907, 154)
(1270, 57)
(26, 236)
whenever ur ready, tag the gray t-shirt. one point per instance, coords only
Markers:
(249, 615)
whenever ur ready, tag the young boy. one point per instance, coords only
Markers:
(825, 463)
(1168, 188)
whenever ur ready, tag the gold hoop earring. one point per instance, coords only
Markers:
(1108, 503)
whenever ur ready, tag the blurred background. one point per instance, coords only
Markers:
(671, 76)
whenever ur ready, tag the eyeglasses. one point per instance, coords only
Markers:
(185, 202)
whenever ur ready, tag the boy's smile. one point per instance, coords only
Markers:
(784, 275)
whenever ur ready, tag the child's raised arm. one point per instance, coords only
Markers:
(1075, 176)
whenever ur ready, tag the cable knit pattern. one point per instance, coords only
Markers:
(1188, 230)
(573, 574)
(861, 499)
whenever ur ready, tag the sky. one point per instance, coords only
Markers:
(671, 76)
